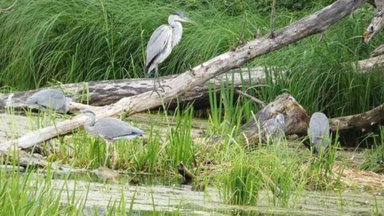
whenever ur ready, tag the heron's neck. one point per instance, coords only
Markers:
(177, 31)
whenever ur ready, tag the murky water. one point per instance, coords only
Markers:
(184, 200)
(149, 194)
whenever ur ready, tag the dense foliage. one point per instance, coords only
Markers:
(45, 41)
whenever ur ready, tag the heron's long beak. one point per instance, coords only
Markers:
(187, 20)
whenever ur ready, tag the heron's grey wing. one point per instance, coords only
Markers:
(158, 42)
(111, 128)
(318, 130)
(55, 100)
(269, 126)
(51, 98)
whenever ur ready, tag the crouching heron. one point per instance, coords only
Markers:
(162, 41)
(318, 132)
(110, 129)
(50, 98)
(274, 127)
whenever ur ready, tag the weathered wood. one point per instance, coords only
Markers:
(370, 64)
(187, 175)
(378, 51)
(359, 122)
(106, 92)
(296, 118)
(185, 82)
(377, 22)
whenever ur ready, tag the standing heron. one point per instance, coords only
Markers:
(162, 41)
(110, 129)
(318, 132)
(275, 126)
(50, 98)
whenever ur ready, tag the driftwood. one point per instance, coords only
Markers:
(185, 82)
(106, 92)
(370, 64)
(187, 175)
(378, 51)
(377, 22)
(296, 120)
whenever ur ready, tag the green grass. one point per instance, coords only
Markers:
(82, 40)
(23, 194)
(374, 157)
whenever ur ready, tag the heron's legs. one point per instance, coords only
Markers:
(106, 152)
(114, 157)
(157, 80)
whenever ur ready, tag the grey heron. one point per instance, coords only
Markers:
(318, 132)
(162, 41)
(275, 126)
(50, 98)
(110, 129)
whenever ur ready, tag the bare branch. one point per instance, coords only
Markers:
(254, 99)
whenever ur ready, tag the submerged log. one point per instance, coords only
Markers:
(106, 92)
(185, 82)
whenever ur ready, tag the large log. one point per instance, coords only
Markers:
(377, 22)
(296, 121)
(99, 93)
(367, 65)
(296, 118)
(185, 82)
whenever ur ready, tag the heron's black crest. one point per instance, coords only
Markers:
(179, 13)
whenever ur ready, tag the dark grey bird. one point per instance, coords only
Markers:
(162, 41)
(110, 129)
(318, 132)
(50, 98)
(274, 127)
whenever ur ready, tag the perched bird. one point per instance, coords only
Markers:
(162, 41)
(275, 126)
(50, 98)
(110, 129)
(318, 132)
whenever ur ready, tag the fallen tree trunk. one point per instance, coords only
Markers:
(377, 22)
(370, 64)
(296, 120)
(378, 51)
(99, 93)
(185, 82)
